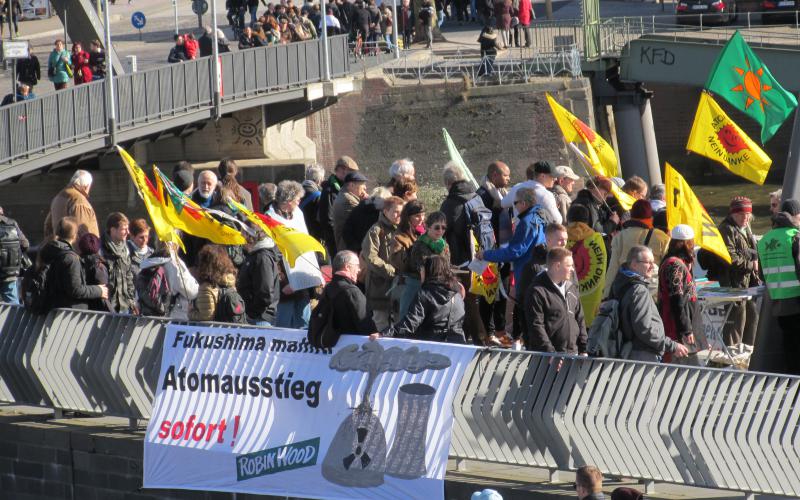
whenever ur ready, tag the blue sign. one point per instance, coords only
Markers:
(138, 20)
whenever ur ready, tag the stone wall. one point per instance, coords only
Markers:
(512, 123)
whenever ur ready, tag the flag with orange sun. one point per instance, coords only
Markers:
(714, 135)
(744, 81)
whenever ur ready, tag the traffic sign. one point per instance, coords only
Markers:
(199, 7)
(16, 50)
(138, 20)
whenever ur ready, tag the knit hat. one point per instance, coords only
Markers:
(89, 244)
(741, 204)
(791, 207)
(641, 210)
(682, 232)
(578, 213)
(486, 494)
(183, 179)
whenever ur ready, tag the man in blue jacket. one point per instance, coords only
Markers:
(528, 233)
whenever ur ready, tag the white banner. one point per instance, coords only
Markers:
(262, 411)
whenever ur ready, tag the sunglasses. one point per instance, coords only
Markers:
(439, 227)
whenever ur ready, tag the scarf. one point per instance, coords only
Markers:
(334, 181)
(436, 247)
(496, 193)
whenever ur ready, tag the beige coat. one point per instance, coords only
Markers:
(627, 239)
(71, 202)
(344, 204)
(375, 251)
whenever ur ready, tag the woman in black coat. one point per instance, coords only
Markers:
(437, 312)
(95, 269)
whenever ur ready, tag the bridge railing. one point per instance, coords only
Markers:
(689, 425)
(615, 32)
(80, 113)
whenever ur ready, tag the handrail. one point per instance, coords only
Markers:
(658, 422)
(47, 123)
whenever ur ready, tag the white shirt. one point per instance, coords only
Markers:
(544, 198)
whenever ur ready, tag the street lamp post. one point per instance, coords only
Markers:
(395, 27)
(215, 67)
(326, 67)
(112, 102)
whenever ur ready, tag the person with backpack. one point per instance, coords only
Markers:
(528, 234)
(164, 285)
(342, 306)
(259, 279)
(677, 295)
(553, 314)
(58, 279)
(13, 245)
(217, 298)
(638, 319)
(95, 269)
(121, 288)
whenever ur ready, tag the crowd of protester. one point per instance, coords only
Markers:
(399, 268)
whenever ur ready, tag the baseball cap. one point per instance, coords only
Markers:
(354, 177)
(565, 171)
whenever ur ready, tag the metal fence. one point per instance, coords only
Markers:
(614, 33)
(689, 425)
(80, 113)
(517, 65)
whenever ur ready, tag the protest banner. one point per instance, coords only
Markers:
(262, 411)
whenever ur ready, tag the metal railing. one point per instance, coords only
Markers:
(657, 422)
(517, 65)
(614, 33)
(77, 114)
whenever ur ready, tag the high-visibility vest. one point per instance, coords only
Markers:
(777, 263)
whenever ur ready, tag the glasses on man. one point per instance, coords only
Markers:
(439, 227)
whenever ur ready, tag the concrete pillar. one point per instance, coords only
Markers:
(638, 153)
(650, 144)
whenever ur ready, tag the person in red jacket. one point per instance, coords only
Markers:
(525, 16)
(191, 46)
(81, 70)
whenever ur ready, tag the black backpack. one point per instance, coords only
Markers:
(230, 306)
(10, 250)
(606, 338)
(154, 292)
(37, 288)
(321, 333)
(479, 220)
(236, 254)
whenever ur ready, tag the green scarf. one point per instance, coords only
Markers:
(436, 246)
(334, 181)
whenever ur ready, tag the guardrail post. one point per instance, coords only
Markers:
(461, 465)
(649, 487)
(554, 476)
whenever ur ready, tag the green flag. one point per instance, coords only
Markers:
(744, 81)
(455, 157)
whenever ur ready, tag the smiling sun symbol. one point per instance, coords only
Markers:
(751, 83)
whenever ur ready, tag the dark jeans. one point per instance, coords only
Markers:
(493, 315)
(790, 325)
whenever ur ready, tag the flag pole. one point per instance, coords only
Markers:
(791, 177)
(582, 161)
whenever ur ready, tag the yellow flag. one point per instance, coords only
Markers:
(188, 216)
(153, 200)
(591, 163)
(576, 131)
(487, 284)
(291, 242)
(590, 258)
(714, 135)
(683, 207)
